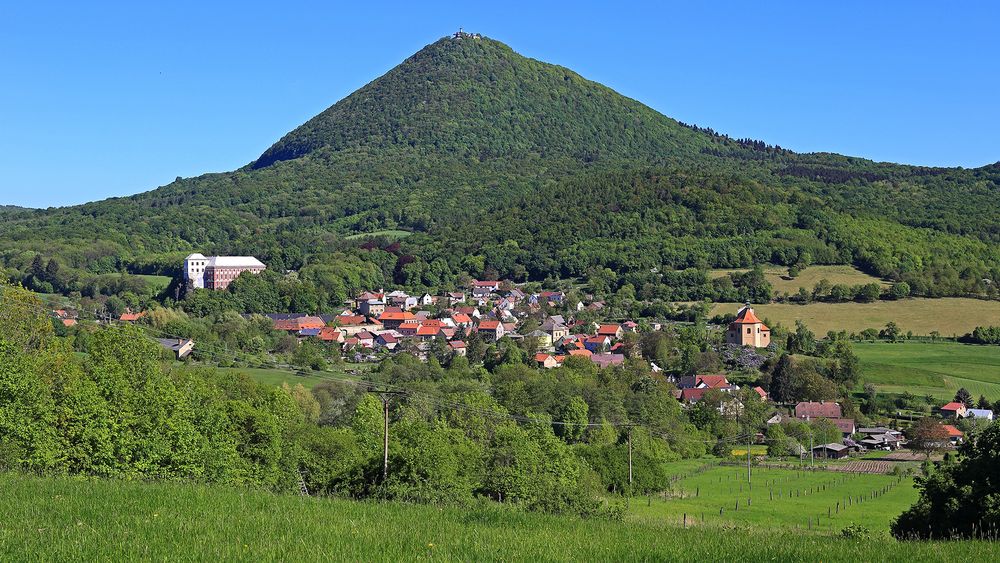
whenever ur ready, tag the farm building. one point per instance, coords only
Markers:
(831, 451)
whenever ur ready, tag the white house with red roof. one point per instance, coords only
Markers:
(748, 330)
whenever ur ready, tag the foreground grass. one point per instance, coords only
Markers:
(63, 519)
(950, 316)
(937, 369)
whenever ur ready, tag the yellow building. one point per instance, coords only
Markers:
(748, 330)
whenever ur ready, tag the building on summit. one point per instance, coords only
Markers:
(217, 272)
(748, 330)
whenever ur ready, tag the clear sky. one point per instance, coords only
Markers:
(99, 99)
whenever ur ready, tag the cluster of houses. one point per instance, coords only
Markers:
(957, 411)
(387, 321)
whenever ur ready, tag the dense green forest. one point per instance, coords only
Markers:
(502, 166)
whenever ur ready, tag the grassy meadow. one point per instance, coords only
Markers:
(392, 234)
(780, 498)
(158, 283)
(808, 278)
(307, 378)
(937, 369)
(951, 316)
(44, 519)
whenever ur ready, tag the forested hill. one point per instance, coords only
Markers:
(499, 165)
(477, 98)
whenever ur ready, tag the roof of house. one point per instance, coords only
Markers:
(609, 329)
(979, 413)
(760, 391)
(456, 344)
(715, 381)
(310, 332)
(692, 395)
(831, 446)
(461, 318)
(130, 317)
(388, 315)
(541, 356)
(952, 431)
(477, 283)
(350, 320)
(388, 338)
(580, 352)
(821, 409)
(425, 330)
(195, 256)
(953, 406)
(436, 323)
(489, 325)
(605, 360)
(845, 425)
(409, 325)
(329, 333)
(364, 335)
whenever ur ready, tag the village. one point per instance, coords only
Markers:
(379, 323)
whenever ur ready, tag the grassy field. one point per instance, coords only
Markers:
(158, 283)
(390, 234)
(808, 278)
(45, 519)
(937, 369)
(949, 316)
(308, 380)
(812, 507)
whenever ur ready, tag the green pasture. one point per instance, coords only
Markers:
(925, 368)
(65, 519)
(779, 498)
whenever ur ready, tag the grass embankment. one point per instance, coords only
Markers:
(950, 316)
(157, 283)
(64, 519)
(937, 369)
(780, 498)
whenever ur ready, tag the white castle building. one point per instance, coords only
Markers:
(217, 272)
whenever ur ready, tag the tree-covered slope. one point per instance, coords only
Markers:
(477, 98)
(503, 165)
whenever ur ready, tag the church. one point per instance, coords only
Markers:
(748, 330)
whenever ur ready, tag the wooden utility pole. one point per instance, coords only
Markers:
(385, 396)
(630, 459)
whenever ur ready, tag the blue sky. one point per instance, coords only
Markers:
(102, 99)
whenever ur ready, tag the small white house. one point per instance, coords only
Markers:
(985, 414)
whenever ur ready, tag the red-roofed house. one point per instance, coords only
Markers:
(130, 317)
(387, 340)
(760, 391)
(822, 409)
(547, 361)
(425, 332)
(366, 339)
(748, 330)
(458, 347)
(493, 329)
(299, 323)
(331, 334)
(461, 319)
(954, 434)
(392, 319)
(610, 330)
(845, 425)
(953, 410)
(581, 352)
(692, 395)
(409, 328)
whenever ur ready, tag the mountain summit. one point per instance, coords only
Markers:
(473, 96)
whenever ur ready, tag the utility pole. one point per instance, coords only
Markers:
(385, 396)
(630, 459)
(812, 453)
(748, 461)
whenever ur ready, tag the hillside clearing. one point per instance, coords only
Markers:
(81, 520)
(808, 278)
(307, 378)
(950, 316)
